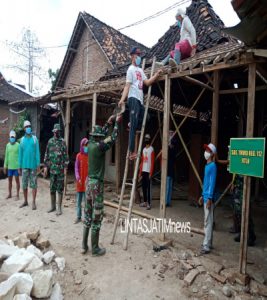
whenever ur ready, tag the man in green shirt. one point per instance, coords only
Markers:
(11, 164)
(99, 143)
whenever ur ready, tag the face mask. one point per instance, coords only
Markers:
(207, 155)
(138, 60)
(12, 140)
(85, 149)
(179, 24)
(28, 130)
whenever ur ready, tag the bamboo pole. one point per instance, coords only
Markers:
(66, 137)
(186, 151)
(247, 179)
(144, 215)
(164, 159)
(215, 108)
(94, 110)
(195, 81)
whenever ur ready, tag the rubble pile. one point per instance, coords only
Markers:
(26, 268)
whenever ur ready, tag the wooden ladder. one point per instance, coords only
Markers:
(134, 182)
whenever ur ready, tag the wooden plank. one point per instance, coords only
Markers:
(247, 180)
(66, 137)
(198, 82)
(242, 90)
(164, 162)
(145, 215)
(94, 110)
(215, 108)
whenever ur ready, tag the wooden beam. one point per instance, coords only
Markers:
(215, 109)
(94, 110)
(247, 179)
(145, 215)
(164, 163)
(242, 90)
(186, 151)
(66, 137)
(198, 82)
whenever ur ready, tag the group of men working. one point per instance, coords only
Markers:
(90, 161)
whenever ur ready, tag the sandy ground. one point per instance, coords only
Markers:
(139, 272)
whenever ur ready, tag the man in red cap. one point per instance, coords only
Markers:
(133, 89)
(207, 197)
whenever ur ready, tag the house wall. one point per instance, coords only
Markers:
(4, 129)
(89, 63)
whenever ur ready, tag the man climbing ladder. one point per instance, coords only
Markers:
(133, 89)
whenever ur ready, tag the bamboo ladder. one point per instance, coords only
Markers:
(133, 185)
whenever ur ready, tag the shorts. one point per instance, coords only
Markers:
(11, 173)
(29, 175)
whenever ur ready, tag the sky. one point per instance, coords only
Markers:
(53, 22)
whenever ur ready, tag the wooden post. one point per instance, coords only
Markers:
(247, 179)
(164, 164)
(66, 137)
(215, 108)
(94, 110)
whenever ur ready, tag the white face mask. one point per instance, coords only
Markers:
(207, 155)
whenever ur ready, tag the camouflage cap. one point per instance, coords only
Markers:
(56, 127)
(97, 131)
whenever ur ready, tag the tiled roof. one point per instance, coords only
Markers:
(116, 45)
(10, 92)
(208, 29)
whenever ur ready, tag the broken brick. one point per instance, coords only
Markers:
(190, 277)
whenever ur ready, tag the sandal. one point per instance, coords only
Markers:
(143, 204)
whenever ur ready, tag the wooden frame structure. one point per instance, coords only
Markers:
(211, 64)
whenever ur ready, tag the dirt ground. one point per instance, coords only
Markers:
(139, 272)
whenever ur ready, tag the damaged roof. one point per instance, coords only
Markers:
(10, 92)
(209, 33)
(208, 27)
(115, 45)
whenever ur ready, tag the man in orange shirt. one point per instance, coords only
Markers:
(146, 171)
(81, 173)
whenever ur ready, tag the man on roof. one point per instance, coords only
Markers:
(133, 89)
(186, 46)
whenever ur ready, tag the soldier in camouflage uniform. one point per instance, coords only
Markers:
(237, 207)
(99, 143)
(56, 159)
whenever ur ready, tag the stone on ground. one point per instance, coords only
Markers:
(227, 291)
(17, 262)
(48, 257)
(24, 283)
(33, 235)
(42, 283)
(35, 264)
(60, 263)
(7, 250)
(8, 289)
(22, 241)
(22, 297)
(56, 293)
(34, 250)
(42, 243)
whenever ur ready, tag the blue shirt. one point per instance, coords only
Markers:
(209, 181)
(29, 153)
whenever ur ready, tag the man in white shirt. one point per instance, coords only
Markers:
(133, 89)
(186, 46)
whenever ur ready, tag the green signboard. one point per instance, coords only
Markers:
(247, 156)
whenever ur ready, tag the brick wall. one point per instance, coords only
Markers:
(4, 129)
(89, 63)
